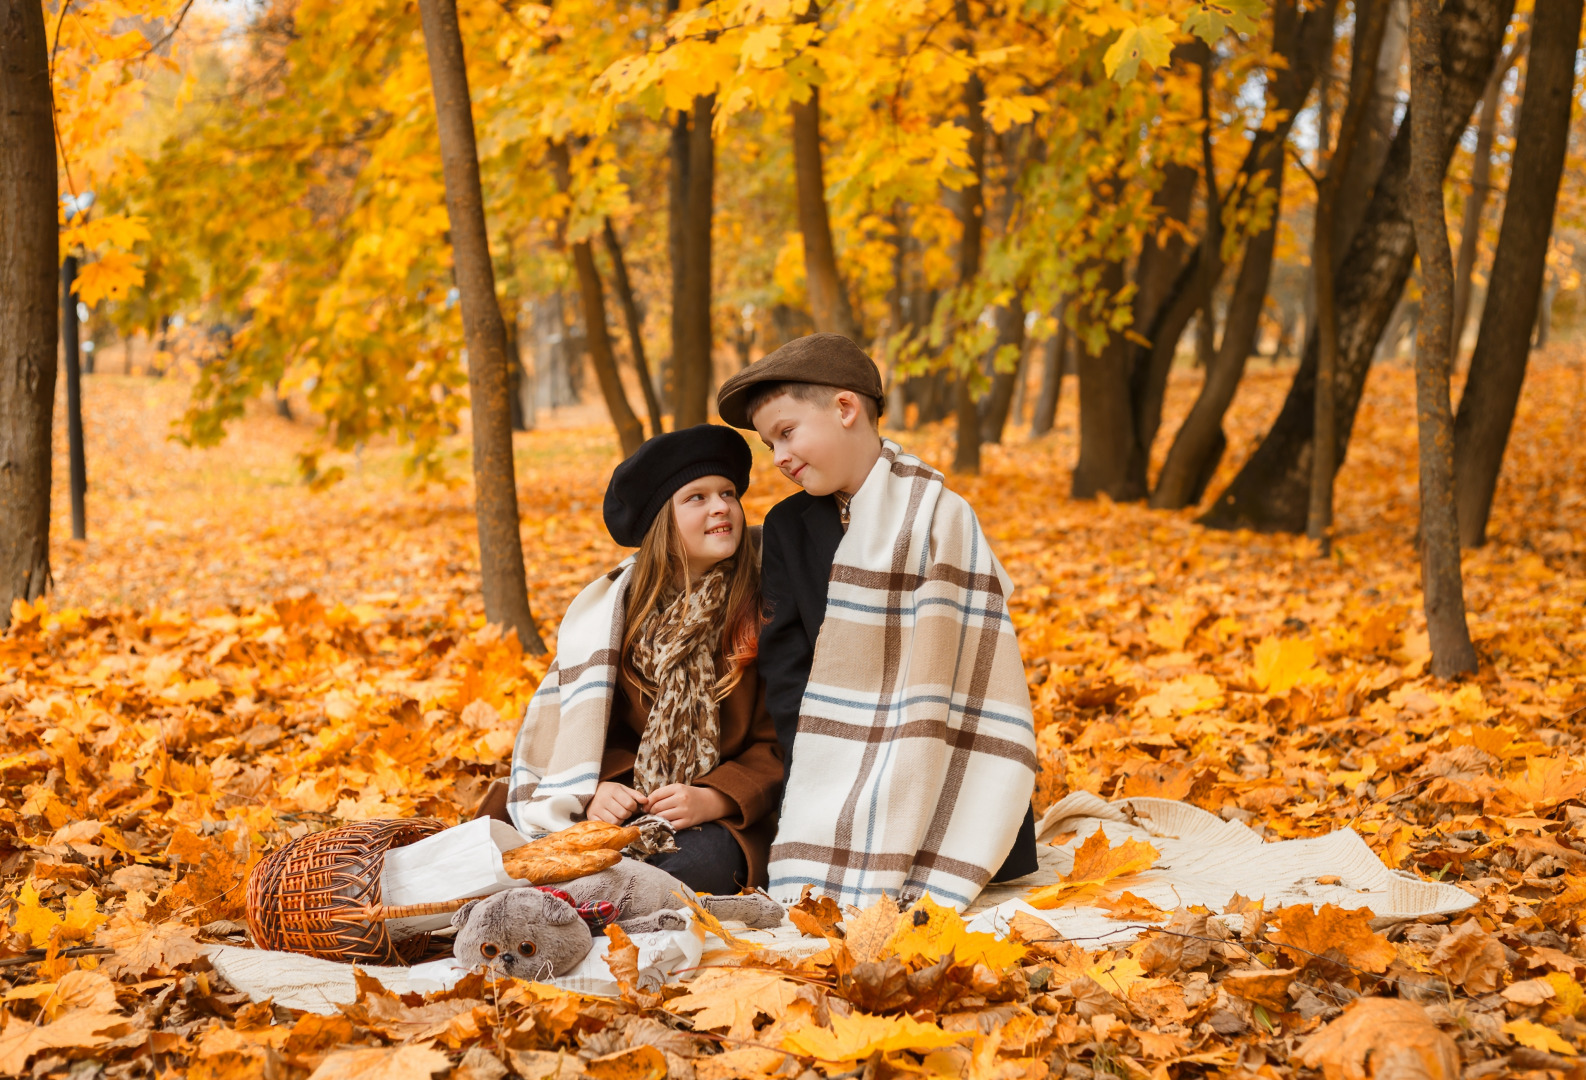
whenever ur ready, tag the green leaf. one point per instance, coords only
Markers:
(1213, 18)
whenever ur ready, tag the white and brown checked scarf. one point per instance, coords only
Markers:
(556, 758)
(915, 755)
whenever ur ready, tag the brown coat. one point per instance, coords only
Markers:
(749, 773)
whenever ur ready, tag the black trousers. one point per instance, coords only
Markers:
(707, 860)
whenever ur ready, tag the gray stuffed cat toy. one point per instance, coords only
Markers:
(532, 934)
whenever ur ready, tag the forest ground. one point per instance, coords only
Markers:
(232, 659)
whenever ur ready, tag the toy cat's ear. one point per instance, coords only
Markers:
(460, 916)
(556, 911)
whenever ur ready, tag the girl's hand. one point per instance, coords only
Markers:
(613, 803)
(683, 806)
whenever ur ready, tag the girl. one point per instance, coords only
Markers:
(654, 704)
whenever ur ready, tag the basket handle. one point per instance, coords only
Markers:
(381, 912)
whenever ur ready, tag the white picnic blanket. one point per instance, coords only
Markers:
(1201, 860)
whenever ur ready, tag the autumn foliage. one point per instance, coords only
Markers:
(232, 662)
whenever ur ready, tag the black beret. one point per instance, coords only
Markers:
(641, 486)
(825, 359)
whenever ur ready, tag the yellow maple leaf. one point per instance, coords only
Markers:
(107, 277)
(732, 998)
(856, 1036)
(1095, 864)
(1191, 694)
(1141, 43)
(32, 918)
(930, 931)
(1538, 1037)
(1281, 664)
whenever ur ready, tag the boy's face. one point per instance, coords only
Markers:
(821, 448)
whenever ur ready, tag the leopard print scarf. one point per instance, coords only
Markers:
(675, 654)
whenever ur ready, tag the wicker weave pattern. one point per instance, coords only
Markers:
(300, 896)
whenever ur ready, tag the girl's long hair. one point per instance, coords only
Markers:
(660, 564)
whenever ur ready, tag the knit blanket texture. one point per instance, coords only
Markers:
(914, 760)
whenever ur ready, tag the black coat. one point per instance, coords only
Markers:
(797, 547)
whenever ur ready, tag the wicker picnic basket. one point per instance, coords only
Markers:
(299, 897)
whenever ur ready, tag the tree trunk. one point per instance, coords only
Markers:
(1480, 186)
(1497, 367)
(635, 324)
(970, 206)
(1369, 27)
(693, 198)
(76, 455)
(996, 405)
(522, 419)
(1303, 42)
(1200, 442)
(592, 294)
(496, 493)
(828, 296)
(29, 250)
(1271, 493)
(1107, 446)
(1376, 131)
(1442, 587)
(1053, 360)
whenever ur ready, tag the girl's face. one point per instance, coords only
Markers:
(709, 520)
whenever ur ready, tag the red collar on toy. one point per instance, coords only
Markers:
(597, 913)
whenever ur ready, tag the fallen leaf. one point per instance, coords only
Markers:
(855, 1037)
(1470, 957)
(1343, 935)
(410, 1062)
(1268, 989)
(141, 949)
(1384, 1039)
(815, 917)
(865, 934)
(1537, 1037)
(732, 998)
(636, 1063)
(929, 931)
(1095, 864)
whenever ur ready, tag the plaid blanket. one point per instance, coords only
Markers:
(915, 755)
(556, 758)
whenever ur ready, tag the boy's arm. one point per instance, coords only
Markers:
(786, 652)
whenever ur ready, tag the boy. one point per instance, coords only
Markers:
(892, 672)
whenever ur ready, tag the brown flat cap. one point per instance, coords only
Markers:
(825, 359)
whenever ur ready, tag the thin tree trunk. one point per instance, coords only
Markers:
(1497, 367)
(1376, 131)
(496, 493)
(996, 405)
(1302, 41)
(1442, 586)
(693, 196)
(1369, 29)
(77, 456)
(1053, 360)
(635, 325)
(829, 304)
(1271, 493)
(1480, 186)
(592, 294)
(970, 206)
(29, 250)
